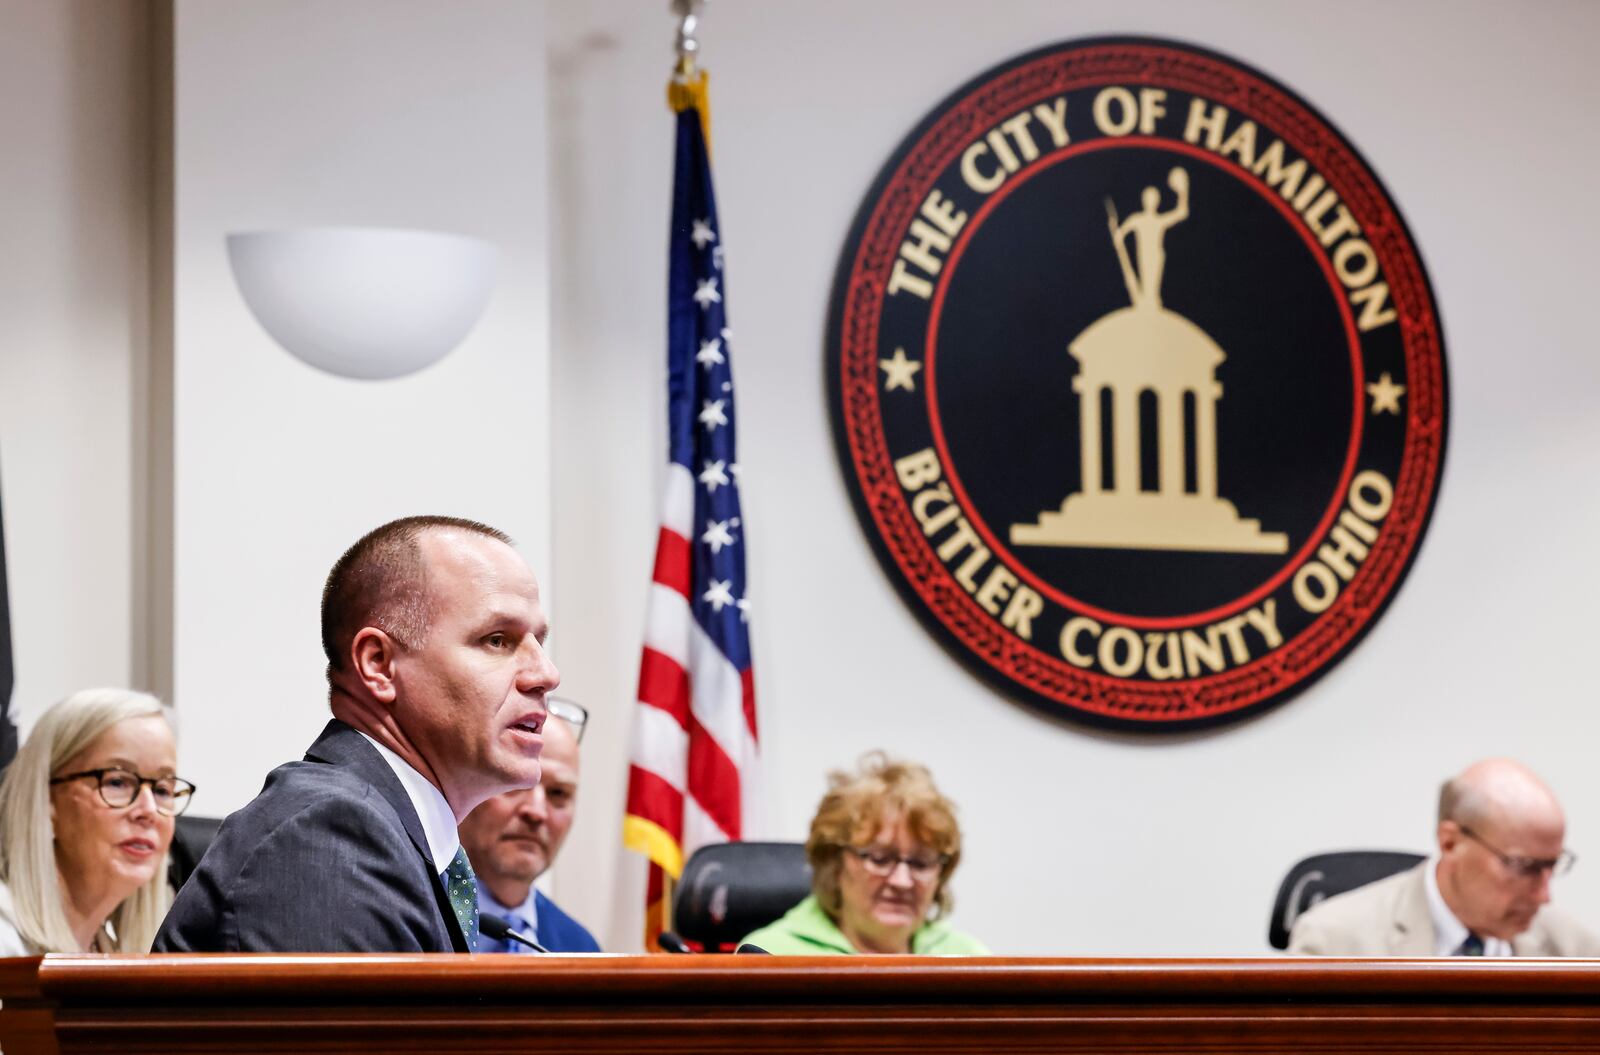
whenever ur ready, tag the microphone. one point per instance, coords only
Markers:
(746, 947)
(497, 929)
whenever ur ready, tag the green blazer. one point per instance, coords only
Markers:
(806, 930)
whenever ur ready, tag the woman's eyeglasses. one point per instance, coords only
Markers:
(119, 789)
(882, 862)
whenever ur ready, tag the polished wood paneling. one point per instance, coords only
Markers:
(660, 1004)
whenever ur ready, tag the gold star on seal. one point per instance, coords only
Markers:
(1385, 394)
(899, 372)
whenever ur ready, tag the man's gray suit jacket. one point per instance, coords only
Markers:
(330, 857)
(1391, 918)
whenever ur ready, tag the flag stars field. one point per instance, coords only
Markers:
(713, 476)
(711, 413)
(710, 353)
(705, 293)
(720, 595)
(717, 534)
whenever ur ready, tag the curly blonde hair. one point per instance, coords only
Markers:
(854, 808)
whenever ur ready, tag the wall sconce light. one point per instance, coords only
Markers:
(364, 302)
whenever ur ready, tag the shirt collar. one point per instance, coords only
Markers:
(438, 819)
(1449, 932)
(528, 911)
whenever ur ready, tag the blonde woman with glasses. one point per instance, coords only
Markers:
(86, 816)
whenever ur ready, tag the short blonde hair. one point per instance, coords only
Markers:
(853, 809)
(27, 836)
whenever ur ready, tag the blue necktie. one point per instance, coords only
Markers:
(462, 887)
(1473, 946)
(523, 927)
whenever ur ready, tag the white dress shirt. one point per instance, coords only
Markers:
(1449, 932)
(527, 913)
(438, 819)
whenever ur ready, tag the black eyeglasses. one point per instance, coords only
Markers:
(119, 789)
(1524, 867)
(882, 861)
(573, 713)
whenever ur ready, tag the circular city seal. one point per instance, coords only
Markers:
(1138, 383)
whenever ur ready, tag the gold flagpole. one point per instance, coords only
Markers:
(687, 89)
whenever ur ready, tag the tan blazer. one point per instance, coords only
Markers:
(1391, 918)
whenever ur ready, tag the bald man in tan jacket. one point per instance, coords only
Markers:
(1485, 892)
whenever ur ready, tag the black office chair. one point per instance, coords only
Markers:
(190, 837)
(730, 889)
(1324, 875)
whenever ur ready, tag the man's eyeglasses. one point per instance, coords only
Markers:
(882, 862)
(119, 789)
(1525, 867)
(574, 714)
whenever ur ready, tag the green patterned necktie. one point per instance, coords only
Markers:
(462, 886)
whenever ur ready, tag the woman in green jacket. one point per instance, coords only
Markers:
(882, 848)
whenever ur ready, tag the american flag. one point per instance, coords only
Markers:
(692, 772)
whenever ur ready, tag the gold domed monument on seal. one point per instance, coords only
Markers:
(1145, 371)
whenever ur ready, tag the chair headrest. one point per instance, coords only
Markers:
(190, 838)
(730, 889)
(1321, 876)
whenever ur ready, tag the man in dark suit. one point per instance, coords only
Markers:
(434, 635)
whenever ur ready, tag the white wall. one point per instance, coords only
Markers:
(361, 112)
(1476, 115)
(73, 290)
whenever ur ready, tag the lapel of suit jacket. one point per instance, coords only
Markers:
(1412, 932)
(342, 745)
(542, 916)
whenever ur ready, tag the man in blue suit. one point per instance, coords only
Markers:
(513, 838)
(434, 635)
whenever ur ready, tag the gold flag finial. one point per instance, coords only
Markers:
(689, 87)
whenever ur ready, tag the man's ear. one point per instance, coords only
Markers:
(372, 659)
(1449, 834)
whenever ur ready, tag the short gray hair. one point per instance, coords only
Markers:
(1462, 801)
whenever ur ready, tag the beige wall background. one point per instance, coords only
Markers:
(74, 341)
(1476, 117)
(365, 113)
(542, 128)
